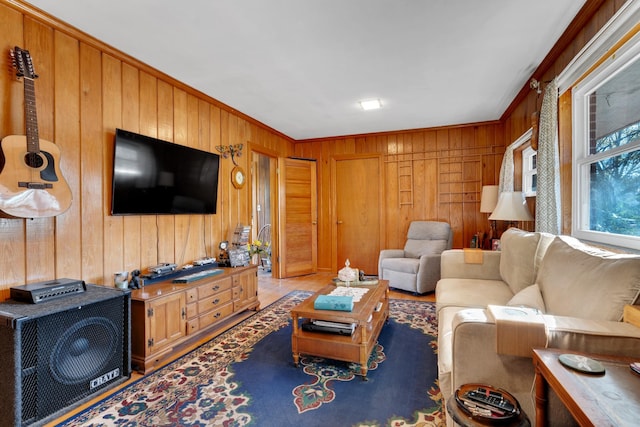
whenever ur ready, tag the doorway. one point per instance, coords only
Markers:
(263, 213)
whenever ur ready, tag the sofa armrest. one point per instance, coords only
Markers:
(428, 273)
(391, 253)
(388, 253)
(593, 336)
(453, 266)
(475, 360)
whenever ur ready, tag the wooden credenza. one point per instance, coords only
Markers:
(168, 317)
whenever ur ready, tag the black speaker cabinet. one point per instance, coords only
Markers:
(60, 353)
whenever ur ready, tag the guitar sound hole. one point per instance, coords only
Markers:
(33, 160)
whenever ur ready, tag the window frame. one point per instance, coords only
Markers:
(582, 159)
(528, 171)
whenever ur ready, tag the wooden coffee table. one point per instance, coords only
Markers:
(350, 348)
(609, 399)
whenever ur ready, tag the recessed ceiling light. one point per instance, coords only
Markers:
(371, 104)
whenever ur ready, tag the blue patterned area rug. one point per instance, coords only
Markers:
(246, 377)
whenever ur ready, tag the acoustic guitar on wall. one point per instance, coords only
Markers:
(31, 183)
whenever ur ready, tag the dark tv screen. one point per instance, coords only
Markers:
(154, 177)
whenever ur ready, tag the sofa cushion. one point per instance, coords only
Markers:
(522, 252)
(471, 293)
(416, 248)
(578, 280)
(528, 297)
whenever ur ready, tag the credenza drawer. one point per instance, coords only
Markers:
(212, 288)
(214, 301)
(192, 295)
(192, 310)
(218, 314)
(193, 326)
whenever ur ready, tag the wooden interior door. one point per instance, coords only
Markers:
(358, 196)
(298, 218)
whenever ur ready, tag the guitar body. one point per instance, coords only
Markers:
(31, 183)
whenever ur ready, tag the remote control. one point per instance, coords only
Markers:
(480, 408)
(490, 398)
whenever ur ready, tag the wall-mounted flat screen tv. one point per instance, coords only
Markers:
(155, 177)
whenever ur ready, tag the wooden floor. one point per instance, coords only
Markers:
(269, 291)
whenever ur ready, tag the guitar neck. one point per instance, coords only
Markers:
(31, 117)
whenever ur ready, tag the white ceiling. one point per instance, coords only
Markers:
(301, 66)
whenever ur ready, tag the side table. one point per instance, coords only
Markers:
(609, 399)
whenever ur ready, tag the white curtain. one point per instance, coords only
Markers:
(548, 164)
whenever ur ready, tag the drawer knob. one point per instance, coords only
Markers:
(215, 301)
(215, 288)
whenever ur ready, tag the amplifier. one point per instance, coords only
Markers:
(44, 291)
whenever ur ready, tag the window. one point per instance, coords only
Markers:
(606, 164)
(529, 172)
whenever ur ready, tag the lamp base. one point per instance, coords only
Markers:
(488, 238)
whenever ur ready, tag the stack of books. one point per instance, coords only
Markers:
(334, 302)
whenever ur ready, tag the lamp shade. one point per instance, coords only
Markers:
(489, 198)
(511, 206)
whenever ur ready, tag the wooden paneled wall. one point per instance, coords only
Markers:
(446, 168)
(85, 91)
(430, 174)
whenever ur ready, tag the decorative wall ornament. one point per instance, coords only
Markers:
(234, 151)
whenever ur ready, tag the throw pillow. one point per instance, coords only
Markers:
(518, 258)
(417, 248)
(578, 280)
(528, 297)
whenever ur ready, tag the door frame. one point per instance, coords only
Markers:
(275, 202)
(334, 202)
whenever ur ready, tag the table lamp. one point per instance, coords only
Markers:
(511, 207)
(488, 202)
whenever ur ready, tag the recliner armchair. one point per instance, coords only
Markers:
(416, 268)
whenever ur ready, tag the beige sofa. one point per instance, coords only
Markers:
(581, 290)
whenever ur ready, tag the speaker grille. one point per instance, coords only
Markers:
(84, 350)
(29, 355)
(71, 355)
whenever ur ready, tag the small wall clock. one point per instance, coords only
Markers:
(238, 177)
